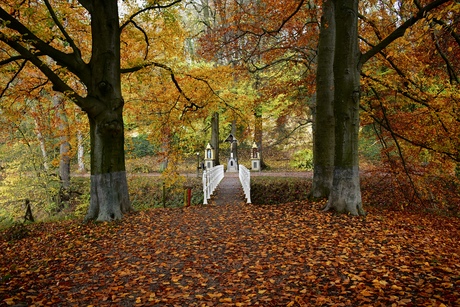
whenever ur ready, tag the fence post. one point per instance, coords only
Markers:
(205, 188)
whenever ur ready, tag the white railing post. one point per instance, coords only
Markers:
(245, 179)
(205, 188)
(211, 179)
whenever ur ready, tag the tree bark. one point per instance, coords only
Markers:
(64, 145)
(345, 195)
(323, 125)
(109, 188)
(80, 152)
(215, 136)
(258, 135)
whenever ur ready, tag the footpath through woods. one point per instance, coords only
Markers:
(229, 191)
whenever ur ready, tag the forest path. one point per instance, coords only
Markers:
(229, 190)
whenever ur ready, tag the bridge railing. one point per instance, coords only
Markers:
(245, 179)
(211, 178)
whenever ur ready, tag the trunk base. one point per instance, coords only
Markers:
(109, 197)
(322, 183)
(346, 192)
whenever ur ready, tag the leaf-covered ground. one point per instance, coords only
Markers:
(241, 255)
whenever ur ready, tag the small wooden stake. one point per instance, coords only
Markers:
(28, 216)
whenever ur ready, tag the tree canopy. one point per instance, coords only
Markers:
(162, 69)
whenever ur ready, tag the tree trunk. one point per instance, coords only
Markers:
(234, 144)
(109, 188)
(215, 136)
(346, 192)
(64, 145)
(258, 135)
(323, 125)
(41, 139)
(80, 152)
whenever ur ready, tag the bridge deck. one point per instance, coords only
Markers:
(229, 191)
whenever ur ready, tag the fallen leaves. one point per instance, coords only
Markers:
(240, 255)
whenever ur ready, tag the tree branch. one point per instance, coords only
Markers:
(146, 38)
(148, 8)
(87, 4)
(72, 61)
(453, 156)
(400, 31)
(450, 69)
(58, 84)
(21, 67)
(61, 28)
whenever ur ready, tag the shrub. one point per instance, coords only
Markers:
(302, 159)
(147, 192)
(139, 146)
(278, 190)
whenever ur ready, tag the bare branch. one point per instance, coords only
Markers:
(146, 38)
(21, 67)
(283, 23)
(11, 59)
(148, 8)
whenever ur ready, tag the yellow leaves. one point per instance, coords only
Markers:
(366, 292)
(379, 283)
(10, 301)
(214, 295)
(176, 278)
(226, 300)
(396, 287)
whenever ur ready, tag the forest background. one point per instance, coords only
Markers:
(254, 64)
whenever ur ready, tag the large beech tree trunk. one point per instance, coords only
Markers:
(323, 125)
(109, 188)
(346, 192)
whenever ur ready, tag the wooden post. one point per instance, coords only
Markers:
(28, 216)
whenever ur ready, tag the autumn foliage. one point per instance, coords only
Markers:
(241, 255)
